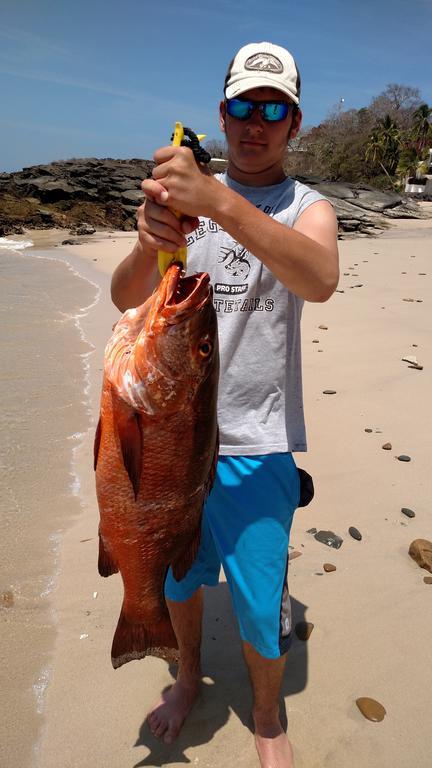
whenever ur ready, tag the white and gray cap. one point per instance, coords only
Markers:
(259, 65)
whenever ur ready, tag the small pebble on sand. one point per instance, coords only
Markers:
(421, 551)
(368, 429)
(403, 457)
(371, 709)
(387, 446)
(355, 533)
(294, 554)
(427, 579)
(329, 567)
(323, 327)
(329, 391)
(408, 512)
(329, 538)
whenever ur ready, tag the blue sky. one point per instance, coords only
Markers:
(110, 78)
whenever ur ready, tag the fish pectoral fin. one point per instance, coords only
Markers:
(129, 431)
(97, 442)
(106, 564)
(181, 565)
(134, 640)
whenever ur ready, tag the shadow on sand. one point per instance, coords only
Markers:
(226, 688)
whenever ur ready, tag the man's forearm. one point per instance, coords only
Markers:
(305, 266)
(134, 280)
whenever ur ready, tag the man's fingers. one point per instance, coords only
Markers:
(188, 224)
(154, 191)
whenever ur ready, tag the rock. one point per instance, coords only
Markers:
(387, 446)
(93, 185)
(329, 538)
(421, 551)
(371, 709)
(323, 327)
(71, 241)
(85, 229)
(329, 392)
(368, 429)
(355, 533)
(427, 579)
(132, 197)
(294, 554)
(311, 530)
(408, 512)
(329, 567)
(303, 630)
(403, 457)
(7, 599)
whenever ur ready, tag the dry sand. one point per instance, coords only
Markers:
(372, 617)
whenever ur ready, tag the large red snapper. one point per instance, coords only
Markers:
(156, 452)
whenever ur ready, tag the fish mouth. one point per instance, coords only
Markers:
(181, 295)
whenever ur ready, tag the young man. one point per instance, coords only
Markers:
(269, 243)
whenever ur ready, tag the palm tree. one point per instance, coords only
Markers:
(421, 130)
(384, 145)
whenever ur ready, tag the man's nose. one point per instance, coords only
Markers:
(256, 120)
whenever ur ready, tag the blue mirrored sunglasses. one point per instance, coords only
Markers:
(270, 111)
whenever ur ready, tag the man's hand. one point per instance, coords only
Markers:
(187, 186)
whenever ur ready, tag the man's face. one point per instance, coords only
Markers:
(255, 144)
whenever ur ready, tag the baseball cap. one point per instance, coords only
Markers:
(259, 65)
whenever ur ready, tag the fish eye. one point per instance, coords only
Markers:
(205, 349)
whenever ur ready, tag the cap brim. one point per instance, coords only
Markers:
(247, 84)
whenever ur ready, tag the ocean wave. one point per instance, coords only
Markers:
(14, 245)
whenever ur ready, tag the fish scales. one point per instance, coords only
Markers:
(156, 452)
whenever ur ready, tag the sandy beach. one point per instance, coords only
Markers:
(62, 702)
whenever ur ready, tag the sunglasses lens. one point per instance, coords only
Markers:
(274, 111)
(271, 111)
(239, 109)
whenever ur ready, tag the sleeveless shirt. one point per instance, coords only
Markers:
(260, 401)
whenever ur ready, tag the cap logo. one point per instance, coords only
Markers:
(264, 62)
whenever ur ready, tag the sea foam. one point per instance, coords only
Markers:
(14, 245)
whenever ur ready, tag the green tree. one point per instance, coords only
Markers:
(384, 145)
(422, 128)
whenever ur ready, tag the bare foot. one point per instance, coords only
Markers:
(273, 746)
(167, 717)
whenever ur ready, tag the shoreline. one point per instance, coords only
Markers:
(359, 354)
(40, 498)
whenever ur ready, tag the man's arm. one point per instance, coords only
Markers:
(304, 258)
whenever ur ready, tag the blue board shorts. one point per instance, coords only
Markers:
(245, 528)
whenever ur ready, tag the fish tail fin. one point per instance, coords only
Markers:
(134, 640)
(106, 565)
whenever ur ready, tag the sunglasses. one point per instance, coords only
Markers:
(270, 111)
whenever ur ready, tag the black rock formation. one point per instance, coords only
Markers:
(105, 193)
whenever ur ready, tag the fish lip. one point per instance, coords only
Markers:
(184, 295)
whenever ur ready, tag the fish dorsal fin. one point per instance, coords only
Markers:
(130, 435)
(97, 443)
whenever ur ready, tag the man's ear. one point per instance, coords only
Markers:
(222, 113)
(296, 123)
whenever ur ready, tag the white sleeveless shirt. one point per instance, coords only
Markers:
(260, 404)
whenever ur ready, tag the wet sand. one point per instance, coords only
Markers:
(372, 618)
